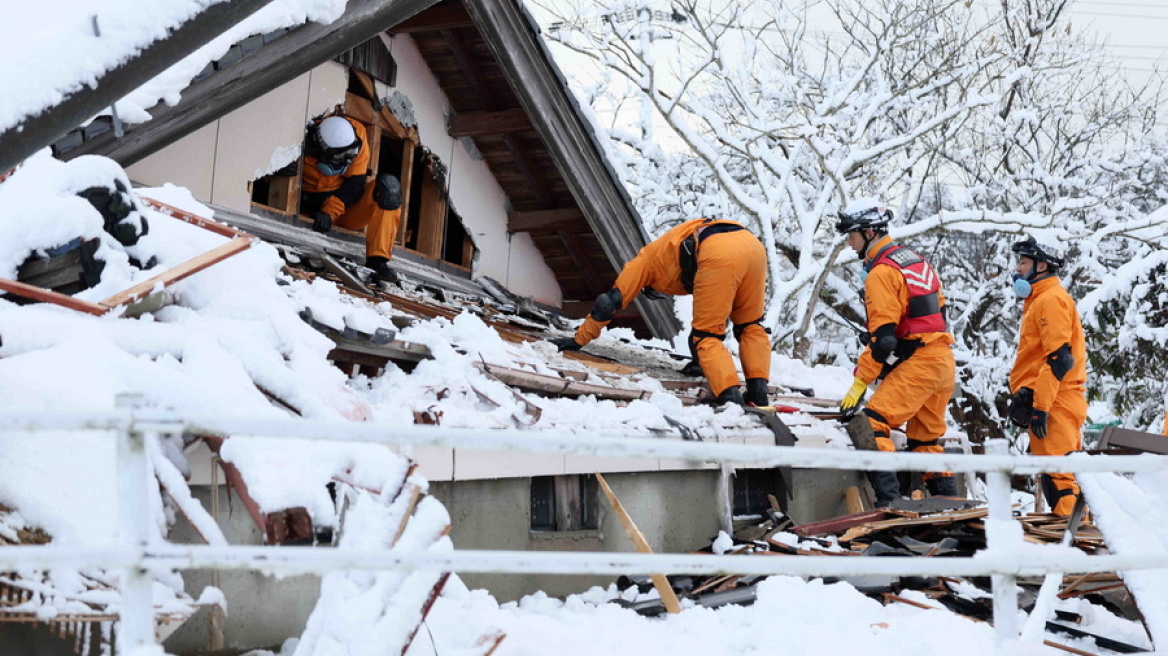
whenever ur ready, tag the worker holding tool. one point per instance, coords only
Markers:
(908, 350)
(724, 266)
(336, 190)
(1049, 378)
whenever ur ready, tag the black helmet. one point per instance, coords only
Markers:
(863, 214)
(1039, 252)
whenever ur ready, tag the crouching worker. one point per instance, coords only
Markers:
(724, 266)
(908, 350)
(337, 190)
(1049, 378)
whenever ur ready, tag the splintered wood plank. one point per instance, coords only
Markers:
(603, 365)
(838, 524)
(928, 520)
(660, 581)
(557, 385)
(489, 642)
(194, 219)
(35, 293)
(184, 270)
(852, 500)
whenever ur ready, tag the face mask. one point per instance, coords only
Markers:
(331, 169)
(1021, 286)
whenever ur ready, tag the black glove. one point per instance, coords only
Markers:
(692, 368)
(1038, 423)
(1020, 405)
(566, 344)
(322, 222)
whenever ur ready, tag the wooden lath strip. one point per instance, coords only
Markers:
(49, 296)
(556, 385)
(184, 270)
(194, 219)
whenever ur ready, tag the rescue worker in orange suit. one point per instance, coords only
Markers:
(724, 266)
(336, 190)
(1049, 378)
(908, 349)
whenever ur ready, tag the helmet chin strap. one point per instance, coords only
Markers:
(867, 242)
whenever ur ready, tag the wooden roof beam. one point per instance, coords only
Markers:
(537, 182)
(280, 61)
(546, 220)
(470, 68)
(582, 262)
(440, 17)
(77, 105)
(480, 124)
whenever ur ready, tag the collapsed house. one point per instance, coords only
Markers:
(513, 223)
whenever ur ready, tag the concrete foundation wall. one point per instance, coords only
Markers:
(262, 611)
(677, 511)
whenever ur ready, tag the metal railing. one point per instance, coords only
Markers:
(1003, 559)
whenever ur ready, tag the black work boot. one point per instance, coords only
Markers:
(731, 395)
(381, 270)
(942, 485)
(885, 485)
(756, 392)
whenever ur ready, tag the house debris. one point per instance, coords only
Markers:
(76, 612)
(936, 527)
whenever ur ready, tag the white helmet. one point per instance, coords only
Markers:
(337, 133)
(334, 145)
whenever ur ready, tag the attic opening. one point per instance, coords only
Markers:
(430, 227)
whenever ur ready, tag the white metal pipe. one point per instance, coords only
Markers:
(301, 560)
(611, 445)
(1003, 541)
(136, 613)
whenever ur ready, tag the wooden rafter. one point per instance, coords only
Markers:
(523, 163)
(582, 262)
(441, 17)
(546, 220)
(479, 124)
(470, 68)
(281, 61)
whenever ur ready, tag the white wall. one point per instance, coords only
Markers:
(217, 161)
(476, 196)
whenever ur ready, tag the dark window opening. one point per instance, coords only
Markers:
(751, 487)
(564, 503)
(457, 247)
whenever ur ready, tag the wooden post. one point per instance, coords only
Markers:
(660, 582)
(407, 183)
(853, 501)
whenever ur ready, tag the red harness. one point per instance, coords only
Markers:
(924, 305)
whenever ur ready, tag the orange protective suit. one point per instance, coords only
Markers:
(349, 201)
(1050, 320)
(918, 389)
(730, 283)
(1165, 431)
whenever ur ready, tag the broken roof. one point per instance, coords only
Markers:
(508, 96)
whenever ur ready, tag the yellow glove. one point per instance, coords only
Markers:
(851, 402)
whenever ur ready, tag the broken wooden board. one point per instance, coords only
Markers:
(660, 582)
(905, 522)
(175, 274)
